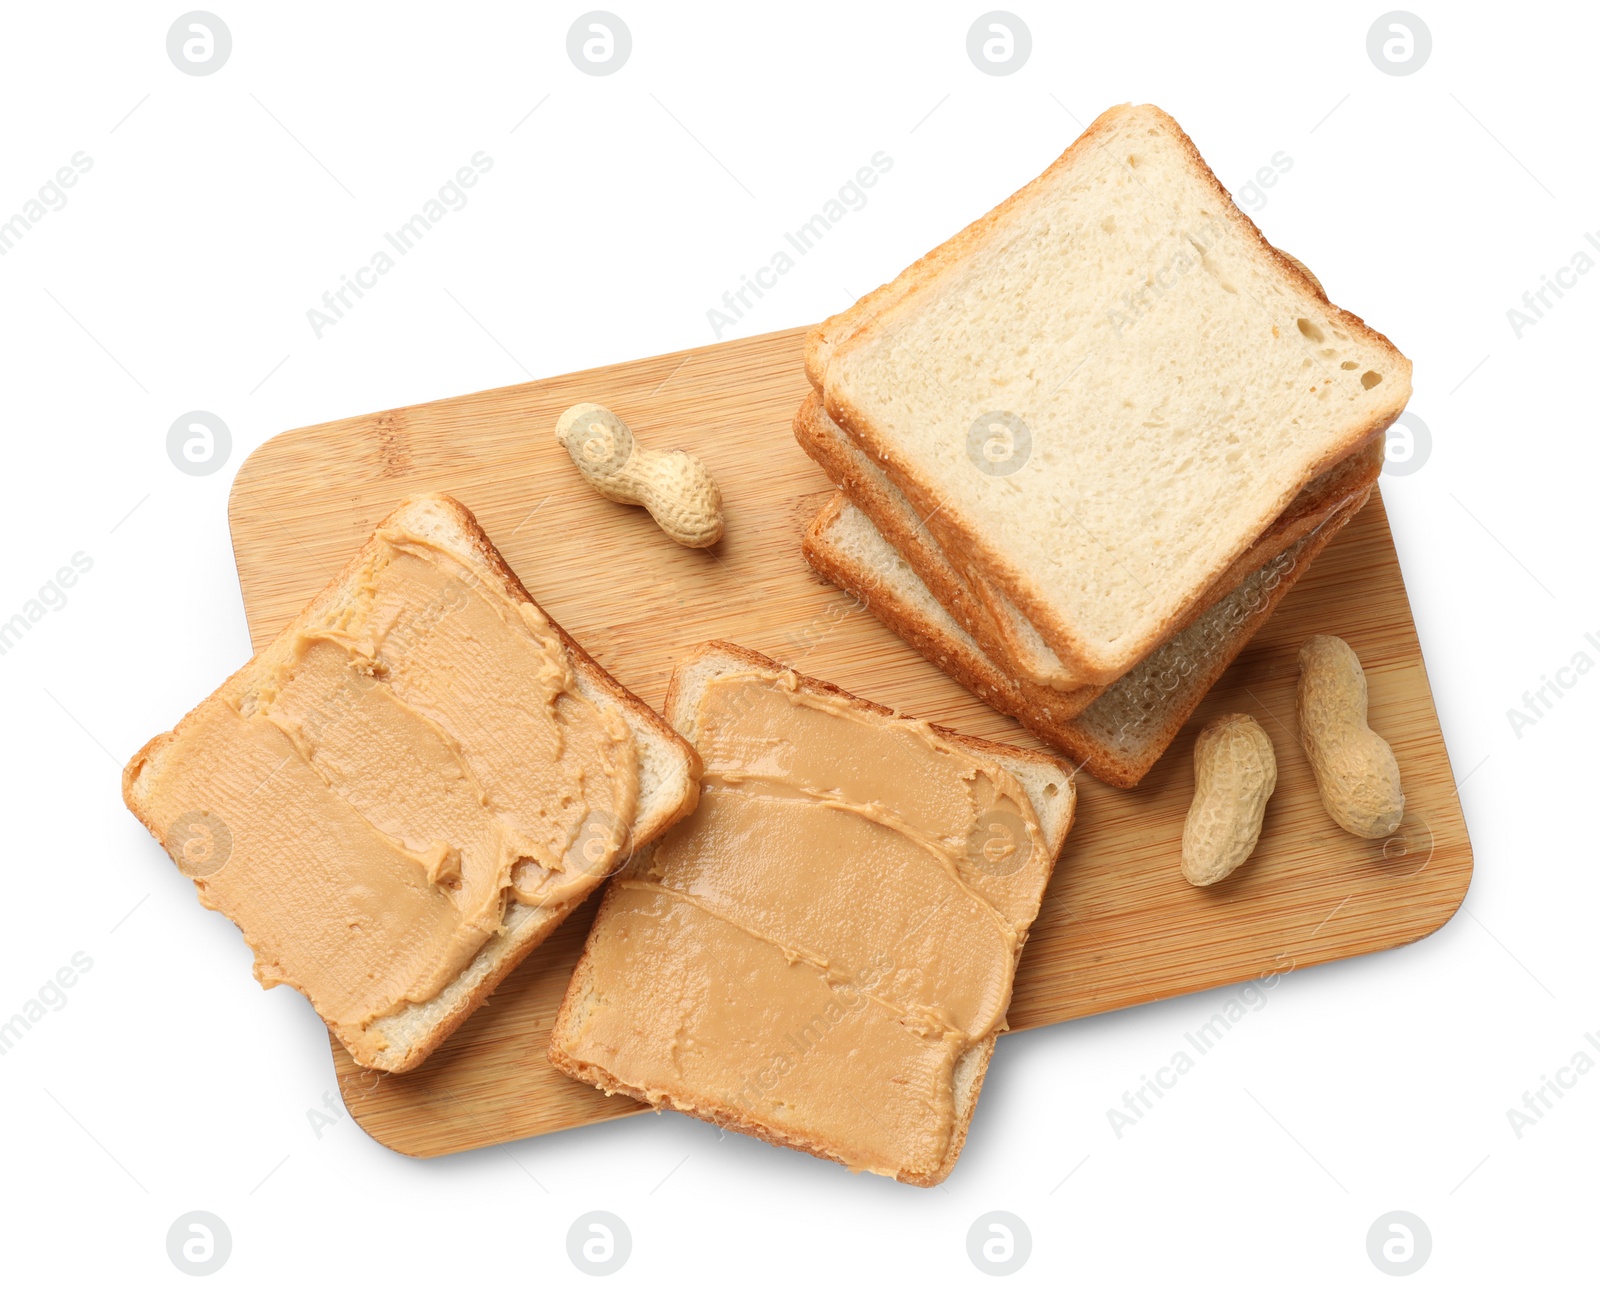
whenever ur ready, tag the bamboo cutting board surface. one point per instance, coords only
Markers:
(1119, 925)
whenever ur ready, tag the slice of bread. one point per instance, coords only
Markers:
(1169, 380)
(1119, 736)
(668, 773)
(983, 610)
(573, 1049)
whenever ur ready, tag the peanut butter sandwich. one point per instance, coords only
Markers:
(410, 788)
(823, 954)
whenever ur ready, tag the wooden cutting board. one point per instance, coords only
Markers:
(1119, 925)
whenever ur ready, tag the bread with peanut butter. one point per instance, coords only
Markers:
(411, 787)
(822, 955)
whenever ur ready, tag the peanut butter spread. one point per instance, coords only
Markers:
(816, 949)
(392, 773)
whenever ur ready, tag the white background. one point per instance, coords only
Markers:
(178, 276)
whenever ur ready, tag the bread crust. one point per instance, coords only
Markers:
(845, 467)
(970, 1070)
(1029, 704)
(535, 925)
(989, 748)
(1353, 477)
(879, 308)
(724, 1116)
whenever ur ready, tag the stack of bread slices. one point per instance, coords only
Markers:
(1086, 446)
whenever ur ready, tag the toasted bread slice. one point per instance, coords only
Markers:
(984, 611)
(1169, 382)
(668, 771)
(1119, 736)
(625, 947)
